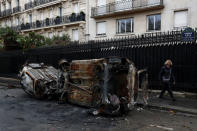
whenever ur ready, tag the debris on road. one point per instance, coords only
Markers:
(10, 95)
(163, 127)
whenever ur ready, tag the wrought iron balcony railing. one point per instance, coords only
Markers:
(16, 9)
(54, 21)
(29, 5)
(36, 3)
(42, 2)
(3, 13)
(122, 6)
(16, 28)
(6, 13)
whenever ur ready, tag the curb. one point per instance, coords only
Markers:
(175, 93)
(173, 108)
(9, 82)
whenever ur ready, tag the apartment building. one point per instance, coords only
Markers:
(97, 19)
(46, 17)
(115, 18)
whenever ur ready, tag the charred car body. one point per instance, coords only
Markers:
(108, 84)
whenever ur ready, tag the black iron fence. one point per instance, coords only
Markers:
(54, 21)
(146, 51)
(124, 6)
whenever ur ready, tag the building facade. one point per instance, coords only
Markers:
(117, 18)
(97, 19)
(46, 17)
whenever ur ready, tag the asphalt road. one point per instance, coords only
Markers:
(19, 112)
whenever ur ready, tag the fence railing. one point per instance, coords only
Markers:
(54, 21)
(124, 6)
(16, 9)
(146, 51)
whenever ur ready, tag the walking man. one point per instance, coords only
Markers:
(167, 79)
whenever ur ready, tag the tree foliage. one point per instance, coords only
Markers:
(12, 40)
(8, 37)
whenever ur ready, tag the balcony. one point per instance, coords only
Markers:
(16, 28)
(37, 3)
(6, 13)
(58, 21)
(29, 5)
(124, 7)
(16, 9)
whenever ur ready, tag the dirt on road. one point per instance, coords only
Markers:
(19, 112)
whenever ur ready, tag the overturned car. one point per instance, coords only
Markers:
(109, 85)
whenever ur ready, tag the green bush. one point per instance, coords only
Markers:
(61, 40)
(9, 39)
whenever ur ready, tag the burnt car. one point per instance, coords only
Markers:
(109, 85)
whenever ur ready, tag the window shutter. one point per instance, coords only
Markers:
(180, 19)
(101, 28)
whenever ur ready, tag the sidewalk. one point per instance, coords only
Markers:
(185, 102)
(182, 104)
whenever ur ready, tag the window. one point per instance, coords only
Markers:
(4, 7)
(123, 5)
(17, 2)
(76, 8)
(60, 11)
(101, 9)
(50, 35)
(152, 2)
(180, 18)
(30, 18)
(75, 34)
(51, 13)
(125, 25)
(9, 5)
(154, 22)
(17, 21)
(101, 28)
(42, 15)
(60, 33)
(9, 22)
